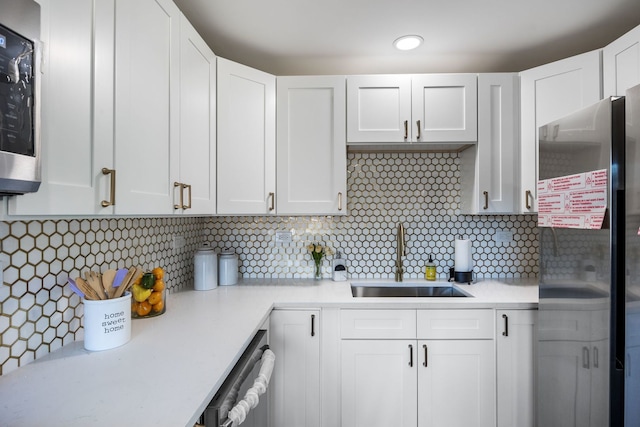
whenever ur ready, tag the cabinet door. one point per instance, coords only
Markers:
(456, 383)
(444, 107)
(311, 146)
(379, 383)
(146, 105)
(246, 140)
(197, 124)
(516, 358)
(621, 64)
(73, 151)
(549, 92)
(295, 385)
(488, 170)
(379, 108)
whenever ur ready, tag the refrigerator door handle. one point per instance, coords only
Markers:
(595, 357)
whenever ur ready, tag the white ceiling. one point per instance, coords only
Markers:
(287, 37)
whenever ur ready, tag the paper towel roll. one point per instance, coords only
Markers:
(463, 260)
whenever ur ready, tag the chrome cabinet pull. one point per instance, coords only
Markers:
(272, 201)
(178, 184)
(188, 187)
(411, 355)
(506, 325)
(419, 130)
(585, 357)
(527, 197)
(313, 325)
(426, 355)
(112, 184)
(406, 129)
(340, 201)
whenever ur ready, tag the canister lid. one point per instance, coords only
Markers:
(205, 248)
(227, 252)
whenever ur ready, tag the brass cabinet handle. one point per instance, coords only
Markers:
(426, 355)
(313, 325)
(486, 200)
(272, 201)
(527, 197)
(419, 130)
(411, 355)
(506, 325)
(178, 184)
(112, 184)
(340, 201)
(406, 129)
(188, 187)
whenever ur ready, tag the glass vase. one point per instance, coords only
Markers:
(317, 275)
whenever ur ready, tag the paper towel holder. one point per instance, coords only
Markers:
(460, 276)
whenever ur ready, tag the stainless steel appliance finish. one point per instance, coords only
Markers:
(366, 291)
(581, 318)
(20, 56)
(632, 259)
(235, 386)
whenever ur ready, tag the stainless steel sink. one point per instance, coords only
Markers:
(397, 289)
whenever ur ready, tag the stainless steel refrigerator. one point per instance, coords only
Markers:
(588, 367)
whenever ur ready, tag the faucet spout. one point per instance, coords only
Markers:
(401, 250)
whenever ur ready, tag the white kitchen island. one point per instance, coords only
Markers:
(173, 365)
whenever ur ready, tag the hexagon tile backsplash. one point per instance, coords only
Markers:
(39, 314)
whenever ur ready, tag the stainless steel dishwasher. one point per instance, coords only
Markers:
(246, 386)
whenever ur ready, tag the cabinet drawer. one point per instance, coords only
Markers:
(455, 324)
(365, 324)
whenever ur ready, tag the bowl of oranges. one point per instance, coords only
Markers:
(148, 295)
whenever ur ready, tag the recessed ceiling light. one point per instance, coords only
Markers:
(408, 42)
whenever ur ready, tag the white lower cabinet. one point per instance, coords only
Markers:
(456, 383)
(379, 383)
(295, 385)
(515, 361)
(437, 371)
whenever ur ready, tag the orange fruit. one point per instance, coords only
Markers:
(157, 308)
(134, 305)
(155, 298)
(158, 272)
(144, 308)
(158, 286)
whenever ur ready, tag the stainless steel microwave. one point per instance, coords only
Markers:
(20, 154)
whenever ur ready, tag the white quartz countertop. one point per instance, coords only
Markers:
(174, 363)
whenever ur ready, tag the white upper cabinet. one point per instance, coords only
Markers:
(311, 147)
(379, 108)
(621, 64)
(489, 182)
(246, 140)
(444, 108)
(549, 92)
(196, 189)
(73, 151)
(412, 108)
(146, 104)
